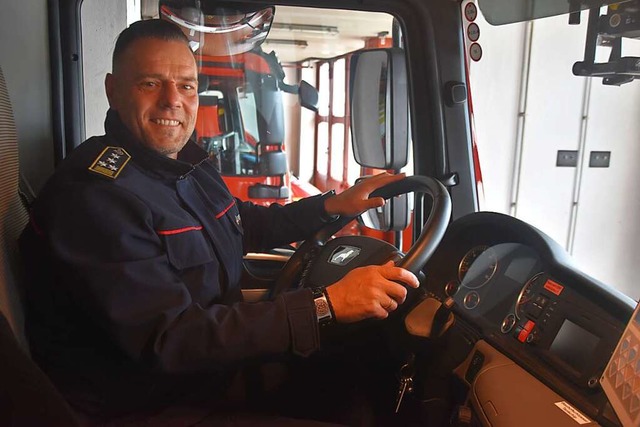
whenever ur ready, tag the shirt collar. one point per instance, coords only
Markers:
(190, 155)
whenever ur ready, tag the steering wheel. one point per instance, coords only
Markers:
(417, 256)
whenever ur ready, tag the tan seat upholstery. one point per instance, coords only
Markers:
(13, 217)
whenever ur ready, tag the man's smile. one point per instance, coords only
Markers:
(166, 122)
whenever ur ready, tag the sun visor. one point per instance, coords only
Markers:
(499, 12)
(219, 28)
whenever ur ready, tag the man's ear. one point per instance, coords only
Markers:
(109, 88)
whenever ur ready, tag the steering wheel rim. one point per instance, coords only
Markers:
(432, 232)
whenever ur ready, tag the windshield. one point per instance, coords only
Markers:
(557, 150)
(272, 88)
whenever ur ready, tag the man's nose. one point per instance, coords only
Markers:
(170, 96)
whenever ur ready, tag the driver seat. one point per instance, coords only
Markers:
(27, 397)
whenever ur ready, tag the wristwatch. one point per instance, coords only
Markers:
(324, 216)
(324, 310)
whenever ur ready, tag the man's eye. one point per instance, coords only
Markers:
(149, 84)
(188, 87)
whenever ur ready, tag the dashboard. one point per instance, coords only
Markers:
(517, 290)
(532, 334)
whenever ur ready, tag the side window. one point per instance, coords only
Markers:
(101, 22)
(268, 147)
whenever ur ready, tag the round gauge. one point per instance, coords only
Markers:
(482, 271)
(526, 294)
(471, 300)
(508, 323)
(451, 288)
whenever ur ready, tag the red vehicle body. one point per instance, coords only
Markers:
(240, 124)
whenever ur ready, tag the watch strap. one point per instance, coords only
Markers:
(324, 215)
(324, 310)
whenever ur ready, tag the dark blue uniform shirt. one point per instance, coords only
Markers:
(146, 255)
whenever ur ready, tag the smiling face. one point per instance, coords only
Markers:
(154, 89)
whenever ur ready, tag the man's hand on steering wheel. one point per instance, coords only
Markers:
(355, 200)
(370, 292)
(309, 266)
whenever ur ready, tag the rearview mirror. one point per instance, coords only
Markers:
(379, 108)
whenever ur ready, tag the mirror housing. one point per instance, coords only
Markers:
(394, 215)
(308, 96)
(379, 108)
(269, 108)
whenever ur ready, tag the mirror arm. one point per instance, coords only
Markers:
(293, 89)
(574, 14)
(450, 179)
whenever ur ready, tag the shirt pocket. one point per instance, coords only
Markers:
(187, 249)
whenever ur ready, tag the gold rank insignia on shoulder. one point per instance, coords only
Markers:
(110, 162)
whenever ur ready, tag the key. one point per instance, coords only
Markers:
(406, 381)
(406, 386)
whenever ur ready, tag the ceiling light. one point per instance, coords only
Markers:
(307, 28)
(283, 42)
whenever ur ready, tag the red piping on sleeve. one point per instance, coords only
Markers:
(178, 230)
(225, 210)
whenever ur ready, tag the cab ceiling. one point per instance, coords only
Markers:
(299, 33)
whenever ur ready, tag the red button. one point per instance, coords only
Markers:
(529, 325)
(522, 336)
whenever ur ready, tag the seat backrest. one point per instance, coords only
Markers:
(27, 397)
(13, 217)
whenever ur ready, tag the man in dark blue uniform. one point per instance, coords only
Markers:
(145, 243)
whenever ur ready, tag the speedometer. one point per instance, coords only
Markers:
(477, 267)
(526, 294)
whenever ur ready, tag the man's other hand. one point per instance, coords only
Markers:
(355, 200)
(370, 292)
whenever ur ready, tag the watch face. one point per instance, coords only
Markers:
(322, 308)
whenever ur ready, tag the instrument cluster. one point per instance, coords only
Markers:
(495, 282)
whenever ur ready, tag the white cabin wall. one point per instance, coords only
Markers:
(307, 131)
(607, 236)
(24, 56)
(101, 22)
(552, 123)
(291, 105)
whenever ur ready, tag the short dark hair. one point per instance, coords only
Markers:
(147, 29)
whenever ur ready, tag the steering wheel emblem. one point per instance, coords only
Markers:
(343, 255)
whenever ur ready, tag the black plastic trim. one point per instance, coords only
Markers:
(263, 191)
(66, 76)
